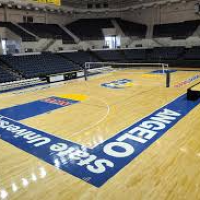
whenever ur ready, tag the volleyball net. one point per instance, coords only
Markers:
(154, 73)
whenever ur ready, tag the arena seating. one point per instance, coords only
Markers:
(176, 30)
(5, 76)
(80, 57)
(165, 53)
(26, 37)
(132, 55)
(193, 53)
(132, 29)
(110, 55)
(95, 26)
(31, 66)
(48, 31)
(123, 55)
(90, 29)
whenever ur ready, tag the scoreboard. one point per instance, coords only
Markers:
(55, 2)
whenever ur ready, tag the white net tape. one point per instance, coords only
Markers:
(145, 71)
(116, 65)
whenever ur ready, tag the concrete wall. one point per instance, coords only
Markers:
(166, 13)
(16, 15)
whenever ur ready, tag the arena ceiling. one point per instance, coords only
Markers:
(89, 6)
(115, 3)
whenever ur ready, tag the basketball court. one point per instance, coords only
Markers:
(118, 135)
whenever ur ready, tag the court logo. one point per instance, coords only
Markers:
(163, 71)
(59, 101)
(42, 106)
(188, 81)
(119, 84)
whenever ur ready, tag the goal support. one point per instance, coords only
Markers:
(162, 66)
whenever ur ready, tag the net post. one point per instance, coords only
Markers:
(168, 77)
(85, 71)
(163, 68)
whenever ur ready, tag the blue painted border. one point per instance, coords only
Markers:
(96, 166)
(35, 108)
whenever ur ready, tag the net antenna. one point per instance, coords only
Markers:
(163, 68)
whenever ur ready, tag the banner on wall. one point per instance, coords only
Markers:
(40, 1)
(55, 2)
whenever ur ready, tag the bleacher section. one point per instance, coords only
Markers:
(48, 31)
(5, 76)
(132, 29)
(132, 55)
(176, 30)
(193, 53)
(79, 57)
(31, 66)
(39, 65)
(165, 53)
(90, 29)
(26, 37)
(110, 55)
(175, 56)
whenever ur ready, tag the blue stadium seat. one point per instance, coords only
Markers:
(89, 29)
(176, 30)
(132, 29)
(26, 37)
(193, 53)
(31, 66)
(80, 57)
(5, 76)
(111, 55)
(48, 31)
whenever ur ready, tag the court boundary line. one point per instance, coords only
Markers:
(83, 173)
(96, 123)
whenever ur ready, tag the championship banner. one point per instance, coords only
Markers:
(55, 2)
(40, 1)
